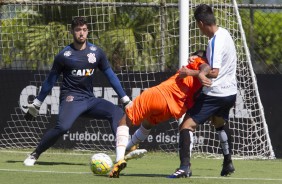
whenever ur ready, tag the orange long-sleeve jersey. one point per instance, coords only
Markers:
(179, 93)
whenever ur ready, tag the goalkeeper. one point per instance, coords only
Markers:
(77, 62)
(169, 99)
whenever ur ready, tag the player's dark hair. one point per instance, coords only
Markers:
(200, 53)
(204, 14)
(78, 21)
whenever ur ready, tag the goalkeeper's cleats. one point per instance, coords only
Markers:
(134, 153)
(227, 168)
(120, 165)
(31, 159)
(179, 173)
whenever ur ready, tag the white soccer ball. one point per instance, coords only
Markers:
(101, 163)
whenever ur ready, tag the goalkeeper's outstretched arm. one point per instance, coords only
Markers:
(33, 108)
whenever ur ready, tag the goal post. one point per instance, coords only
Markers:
(183, 32)
(249, 61)
(146, 42)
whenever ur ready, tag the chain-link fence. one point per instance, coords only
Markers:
(263, 28)
(262, 24)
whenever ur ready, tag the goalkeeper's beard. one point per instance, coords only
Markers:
(79, 42)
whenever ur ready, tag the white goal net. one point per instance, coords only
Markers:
(141, 40)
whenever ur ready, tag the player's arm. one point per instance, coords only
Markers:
(204, 71)
(33, 108)
(213, 73)
(184, 72)
(193, 68)
(48, 85)
(115, 83)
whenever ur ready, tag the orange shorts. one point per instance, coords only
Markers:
(150, 105)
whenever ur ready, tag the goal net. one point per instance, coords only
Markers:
(141, 40)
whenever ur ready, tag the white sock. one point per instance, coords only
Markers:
(139, 136)
(223, 141)
(121, 141)
(192, 142)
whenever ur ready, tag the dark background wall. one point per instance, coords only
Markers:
(270, 89)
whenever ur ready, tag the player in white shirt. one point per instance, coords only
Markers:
(221, 54)
(215, 101)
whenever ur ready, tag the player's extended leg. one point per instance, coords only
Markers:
(139, 135)
(69, 111)
(150, 108)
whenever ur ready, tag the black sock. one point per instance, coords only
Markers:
(184, 149)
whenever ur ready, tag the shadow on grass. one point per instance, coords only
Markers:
(148, 175)
(48, 163)
(145, 175)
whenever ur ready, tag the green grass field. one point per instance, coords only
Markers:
(72, 167)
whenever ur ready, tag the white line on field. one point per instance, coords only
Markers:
(194, 177)
(52, 153)
(36, 171)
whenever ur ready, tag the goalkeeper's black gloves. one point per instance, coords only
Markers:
(125, 102)
(33, 110)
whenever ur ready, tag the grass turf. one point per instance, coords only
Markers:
(66, 167)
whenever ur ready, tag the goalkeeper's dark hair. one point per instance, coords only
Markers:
(78, 21)
(204, 14)
(200, 53)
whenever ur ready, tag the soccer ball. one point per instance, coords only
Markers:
(100, 163)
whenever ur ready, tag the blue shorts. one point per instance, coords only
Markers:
(208, 106)
(73, 106)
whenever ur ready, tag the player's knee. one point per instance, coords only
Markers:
(188, 124)
(116, 114)
(217, 121)
(62, 129)
(147, 125)
(123, 121)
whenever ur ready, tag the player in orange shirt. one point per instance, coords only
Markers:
(157, 104)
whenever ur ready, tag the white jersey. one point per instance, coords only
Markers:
(221, 54)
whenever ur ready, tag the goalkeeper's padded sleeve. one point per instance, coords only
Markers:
(114, 81)
(48, 85)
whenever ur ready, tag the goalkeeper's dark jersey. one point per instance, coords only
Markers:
(77, 67)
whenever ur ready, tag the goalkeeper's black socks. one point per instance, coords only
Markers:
(184, 149)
